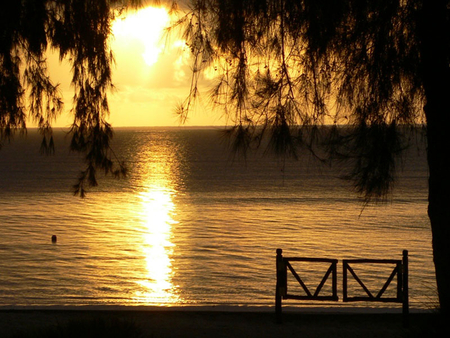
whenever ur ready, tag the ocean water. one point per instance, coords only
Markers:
(192, 226)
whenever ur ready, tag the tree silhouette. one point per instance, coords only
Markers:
(79, 30)
(370, 69)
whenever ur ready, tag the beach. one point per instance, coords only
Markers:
(185, 246)
(168, 322)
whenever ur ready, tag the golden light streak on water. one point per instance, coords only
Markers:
(157, 211)
(158, 206)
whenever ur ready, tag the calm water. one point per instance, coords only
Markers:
(189, 226)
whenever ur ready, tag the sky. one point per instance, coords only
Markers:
(151, 75)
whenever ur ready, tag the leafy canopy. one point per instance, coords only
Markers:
(79, 30)
(286, 67)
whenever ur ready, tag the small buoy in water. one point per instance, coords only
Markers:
(53, 238)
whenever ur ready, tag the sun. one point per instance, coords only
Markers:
(146, 26)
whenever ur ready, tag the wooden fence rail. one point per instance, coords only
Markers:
(400, 272)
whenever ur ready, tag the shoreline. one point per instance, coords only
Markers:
(294, 308)
(348, 309)
(217, 323)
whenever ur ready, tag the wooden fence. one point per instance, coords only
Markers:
(399, 272)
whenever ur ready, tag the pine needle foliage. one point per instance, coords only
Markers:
(79, 30)
(286, 67)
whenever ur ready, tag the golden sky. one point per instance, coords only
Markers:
(151, 75)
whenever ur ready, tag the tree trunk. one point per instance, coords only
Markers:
(435, 73)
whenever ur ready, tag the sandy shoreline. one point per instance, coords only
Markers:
(216, 324)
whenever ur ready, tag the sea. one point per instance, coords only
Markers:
(194, 225)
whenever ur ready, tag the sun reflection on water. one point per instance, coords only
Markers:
(158, 179)
(158, 208)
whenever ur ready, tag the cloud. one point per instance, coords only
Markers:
(146, 95)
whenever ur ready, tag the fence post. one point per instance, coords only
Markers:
(344, 280)
(334, 280)
(281, 284)
(405, 309)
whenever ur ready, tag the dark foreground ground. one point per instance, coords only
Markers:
(215, 324)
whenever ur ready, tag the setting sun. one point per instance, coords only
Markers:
(146, 26)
